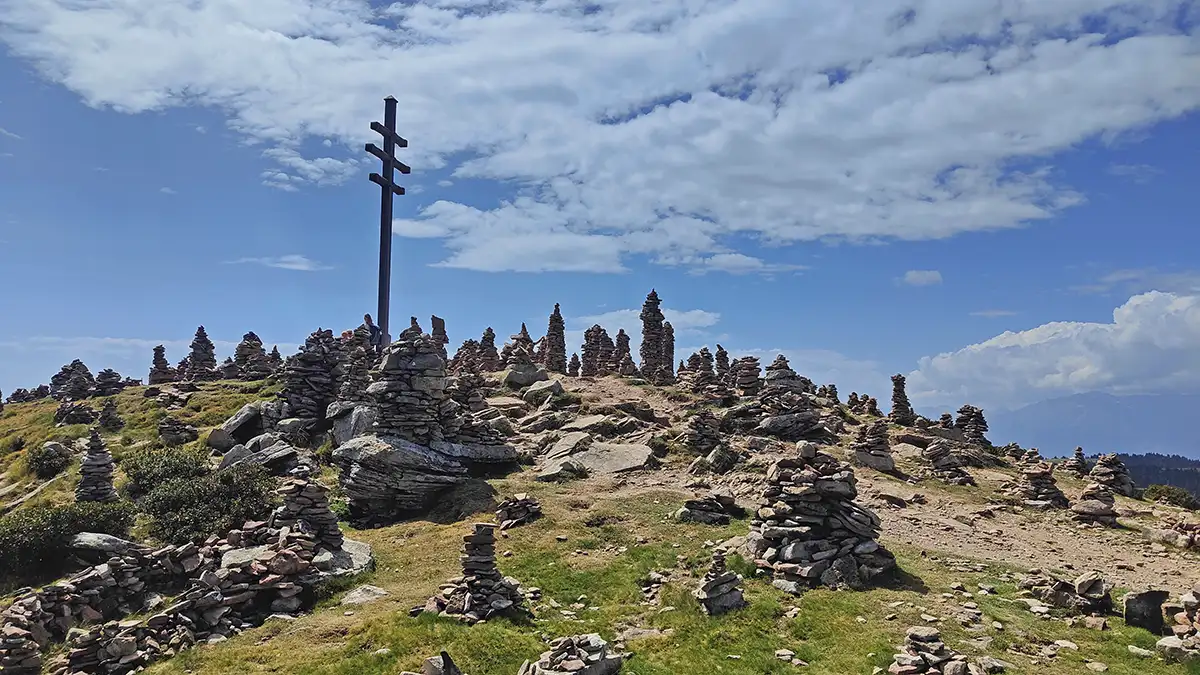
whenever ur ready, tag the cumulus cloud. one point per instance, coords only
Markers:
(922, 277)
(764, 121)
(295, 262)
(1152, 345)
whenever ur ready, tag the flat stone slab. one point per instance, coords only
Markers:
(609, 458)
(585, 423)
(364, 594)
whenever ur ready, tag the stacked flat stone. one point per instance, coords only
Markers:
(715, 509)
(703, 432)
(831, 393)
(1036, 486)
(924, 652)
(577, 655)
(872, 448)
(96, 473)
(489, 358)
(721, 590)
(468, 356)
(467, 389)
(522, 343)
(556, 342)
(1183, 624)
(20, 654)
(275, 359)
(722, 364)
(809, 531)
(1095, 505)
(946, 421)
(74, 413)
(1076, 464)
(973, 425)
(110, 419)
(668, 353)
(520, 509)
(698, 374)
(21, 395)
(409, 389)
(779, 375)
(202, 361)
(356, 375)
(228, 370)
(108, 383)
(870, 406)
(1111, 472)
(176, 433)
(74, 382)
(437, 330)
(307, 500)
(310, 377)
(1031, 456)
(161, 371)
(652, 350)
(902, 411)
(853, 402)
(596, 352)
(252, 360)
(574, 365)
(746, 371)
(944, 465)
(481, 592)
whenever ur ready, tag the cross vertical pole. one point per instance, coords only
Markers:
(391, 141)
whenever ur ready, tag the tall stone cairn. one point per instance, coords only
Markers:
(596, 352)
(1035, 485)
(251, 359)
(651, 350)
(1076, 464)
(307, 500)
(481, 592)
(110, 420)
(96, 473)
(74, 382)
(468, 356)
(310, 377)
(409, 389)
(746, 375)
(275, 359)
(970, 420)
(556, 342)
(721, 590)
(489, 358)
(356, 375)
(668, 353)
(699, 374)
(202, 360)
(1110, 471)
(809, 531)
(522, 342)
(902, 411)
(437, 331)
(722, 365)
(574, 365)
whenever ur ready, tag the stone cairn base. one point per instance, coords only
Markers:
(944, 465)
(307, 500)
(1036, 487)
(74, 413)
(809, 531)
(481, 592)
(1111, 472)
(1076, 465)
(519, 510)
(924, 652)
(1095, 505)
(577, 655)
(872, 447)
(721, 590)
(96, 473)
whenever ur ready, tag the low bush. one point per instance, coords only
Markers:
(191, 509)
(34, 541)
(48, 460)
(148, 469)
(1170, 494)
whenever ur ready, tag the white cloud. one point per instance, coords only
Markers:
(769, 121)
(1144, 279)
(922, 277)
(445, 183)
(1138, 173)
(167, 191)
(8, 134)
(1152, 345)
(994, 313)
(200, 129)
(284, 262)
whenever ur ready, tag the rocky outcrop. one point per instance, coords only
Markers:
(1110, 471)
(872, 448)
(577, 655)
(481, 592)
(96, 473)
(721, 590)
(902, 411)
(202, 361)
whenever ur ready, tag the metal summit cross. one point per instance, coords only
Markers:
(391, 141)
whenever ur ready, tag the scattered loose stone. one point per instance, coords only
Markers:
(518, 510)
(1089, 593)
(577, 655)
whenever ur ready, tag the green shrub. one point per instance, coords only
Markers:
(191, 509)
(147, 469)
(1170, 494)
(48, 460)
(33, 541)
(13, 445)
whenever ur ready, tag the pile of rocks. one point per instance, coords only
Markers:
(310, 377)
(489, 358)
(441, 664)
(945, 465)
(251, 359)
(202, 361)
(1095, 505)
(703, 431)
(307, 500)
(175, 433)
(1031, 456)
(974, 427)
(745, 375)
(1036, 487)
(73, 413)
(779, 375)
(161, 371)
(722, 365)
(74, 382)
(623, 355)
(229, 370)
(715, 509)
(521, 342)
(518, 510)
(872, 448)
(481, 592)
(1183, 644)
(577, 655)
(556, 342)
(597, 352)
(356, 371)
(108, 383)
(870, 406)
(721, 590)
(409, 389)
(467, 357)
(657, 350)
(1076, 465)
(1089, 593)
(809, 531)
(574, 365)
(946, 421)
(20, 395)
(924, 652)
(96, 473)
(902, 411)
(668, 353)
(1110, 471)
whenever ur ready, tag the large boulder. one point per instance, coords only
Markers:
(349, 421)
(523, 375)
(1144, 610)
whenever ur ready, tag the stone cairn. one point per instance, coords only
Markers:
(1183, 622)
(176, 433)
(870, 406)
(74, 413)
(698, 375)
(1095, 505)
(924, 652)
(721, 590)
(251, 359)
(20, 395)
(574, 365)
(489, 358)
(481, 592)
(853, 402)
(307, 500)
(96, 473)
(1036, 486)
(202, 361)
(872, 448)
(275, 359)
(1110, 471)
(1088, 593)
(409, 389)
(1076, 465)
(577, 655)
(656, 364)
(746, 371)
(467, 356)
(161, 371)
(556, 342)
(721, 364)
(809, 531)
(310, 377)
(944, 465)
(597, 352)
(519, 510)
(356, 373)
(715, 509)
(1031, 456)
(902, 411)
(521, 342)
(437, 330)
(621, 349)
(110, 420)
(974, 427)
(703, 432)
(779, 375)
(74, 382)
(229, 370)
(108, 383)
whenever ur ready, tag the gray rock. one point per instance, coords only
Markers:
(364, 594)
(1144, 610)
(352, 423)
(538, 392)
(523, 375)
(100, 543)
(609, 458)
(220, 440)
(239, 557)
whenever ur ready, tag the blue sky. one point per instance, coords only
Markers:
(982, 169)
